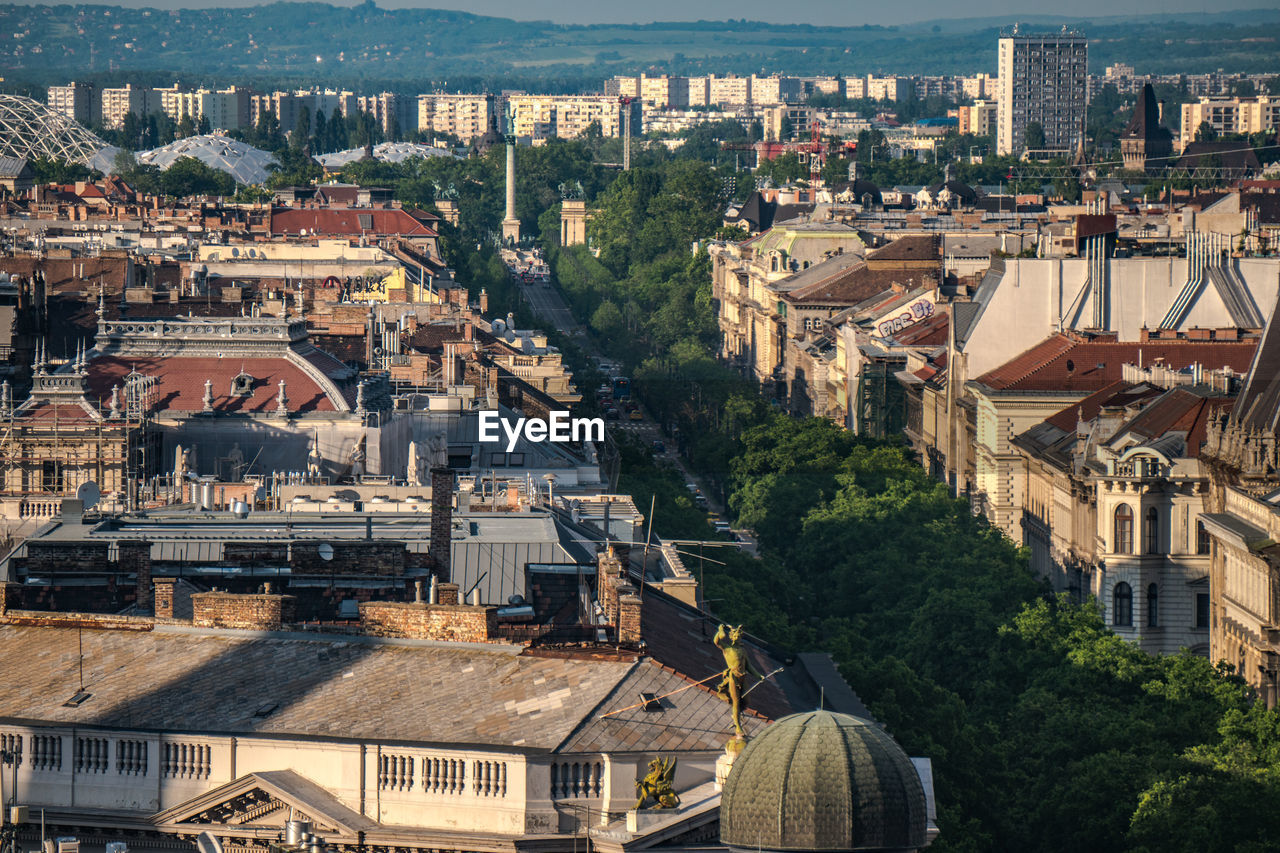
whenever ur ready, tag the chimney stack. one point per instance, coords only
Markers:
(441, 520)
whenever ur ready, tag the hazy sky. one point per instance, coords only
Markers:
(844, 12)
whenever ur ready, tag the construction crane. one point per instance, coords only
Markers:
(815, 153)
(625, 101)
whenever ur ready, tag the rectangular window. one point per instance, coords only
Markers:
(1202, 610)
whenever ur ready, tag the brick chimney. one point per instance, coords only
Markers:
(441, 520)
(629, 607)
(447, 593)
(164, 597)
(135, 558)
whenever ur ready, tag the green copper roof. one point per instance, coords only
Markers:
(820, 781)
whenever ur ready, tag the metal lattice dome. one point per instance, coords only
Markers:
(387, 152)
(248, 165)
(821, 781)
(29, 129)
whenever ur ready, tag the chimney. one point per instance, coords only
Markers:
(442, 521)
(629, 609)
(484, 301)
(447, 593)
(1160, 111)
(135, 558)
(164, 597)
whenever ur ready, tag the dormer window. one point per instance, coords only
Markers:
(242, 385)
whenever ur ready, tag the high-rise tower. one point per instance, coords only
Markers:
(1043, 80)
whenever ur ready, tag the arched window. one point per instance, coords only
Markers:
(1122, 605)
(1124, 530)
(1153, 606)
(1202, 538)
(1153, 531)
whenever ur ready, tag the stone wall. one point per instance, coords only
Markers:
(260, 612)
(457, 623)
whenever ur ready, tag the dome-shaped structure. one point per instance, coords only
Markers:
(248, 165)
(821, 781)
(386, 152)
(29, 129)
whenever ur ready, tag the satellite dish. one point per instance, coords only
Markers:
(89, 494)
(206, 843)
(261, 493)
(325, 550)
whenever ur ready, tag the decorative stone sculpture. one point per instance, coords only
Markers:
(439, 450)
(313, 456)
(208, 396)
(236, 459)
(282, 402)
(114, 414)
(658, 785)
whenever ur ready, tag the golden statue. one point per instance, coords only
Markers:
(737, 667)
(657, 785)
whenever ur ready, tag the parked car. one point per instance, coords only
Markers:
(659, 446)
(700, 500)
(611, 414)
(722, 527)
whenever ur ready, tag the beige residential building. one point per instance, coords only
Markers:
(76, 101)
(1230, 115)
(565, 116)
(728, 91)
(118, 103)
(226, 109)
(464, 116)
(1113, 493)
(889, 88)
(981, 118)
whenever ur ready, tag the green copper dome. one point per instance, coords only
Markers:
(820, 781)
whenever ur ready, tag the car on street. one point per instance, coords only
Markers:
(659, 446)
(612, 414)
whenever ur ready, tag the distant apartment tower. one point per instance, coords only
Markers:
(539, 117)
(1230, 115)
(393, 112)
(76, 101)
(728, 91)
(979, 118)
(464, 116)
(283, 105)
(1043, 79)
(118, 103)
(225, 109)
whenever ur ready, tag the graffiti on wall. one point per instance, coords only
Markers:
(913, 313)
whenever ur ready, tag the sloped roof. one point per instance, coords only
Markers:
(1184, 411)
(386, 152)
(1075, 364)
(1145, 122)
(180, 382)
(348, 222)
(1233, 156)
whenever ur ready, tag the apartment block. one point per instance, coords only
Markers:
(76, 101)
(1230, 115)
(981, 118)
(889, 88)
(396, 114)
(1043, 80)
(226, 109)
(776, 90)
(465, 116)
(118, 103)
(566, 116)
(728, 91)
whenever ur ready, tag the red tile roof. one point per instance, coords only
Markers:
(347, 222)
(180, 383)
(1074, 364)
(1118, 393)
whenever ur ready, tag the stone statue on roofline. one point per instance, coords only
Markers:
(658, 785)
(438, 447)
(313, 456)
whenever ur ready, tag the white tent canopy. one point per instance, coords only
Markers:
(248, 165)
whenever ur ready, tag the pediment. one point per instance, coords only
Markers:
(261, 803)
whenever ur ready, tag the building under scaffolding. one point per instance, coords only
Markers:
(61, 443)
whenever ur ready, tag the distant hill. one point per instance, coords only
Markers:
(414, 49)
